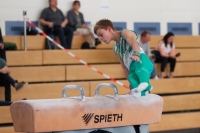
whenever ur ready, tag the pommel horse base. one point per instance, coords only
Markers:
(86, 114)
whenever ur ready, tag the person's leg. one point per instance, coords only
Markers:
(143, 72)
(92, 35)
(153, 74)
(92, 41)
(133, 80)
(87, 32)
(7, 92)
(58, 31)
(69, 36)
(137, 128)
(6, 85)
(48, 30)
(164, 62)
(11, 81)
(8, 78)
(144, 128)
(172, 66)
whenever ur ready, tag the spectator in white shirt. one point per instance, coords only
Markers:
(165, 53)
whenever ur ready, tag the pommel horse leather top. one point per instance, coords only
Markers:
(90, 112)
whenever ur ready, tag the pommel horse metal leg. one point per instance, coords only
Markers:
(110, 114)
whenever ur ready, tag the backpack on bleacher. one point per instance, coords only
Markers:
(10, 46)
(31, 31)
(85, 45)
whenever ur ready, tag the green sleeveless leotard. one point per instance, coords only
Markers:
(138, 72)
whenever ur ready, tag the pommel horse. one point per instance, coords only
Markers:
(112, 114)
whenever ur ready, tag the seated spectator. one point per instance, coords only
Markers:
(54, 22)
(144, 43)
(5, 79)
(77, 22)
(165, 52)
(2, 48)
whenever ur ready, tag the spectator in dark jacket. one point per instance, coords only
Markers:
(2, 48)
(54, 22)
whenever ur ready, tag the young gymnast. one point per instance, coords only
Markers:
(135, 63)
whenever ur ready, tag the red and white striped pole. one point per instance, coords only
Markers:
(77, 58)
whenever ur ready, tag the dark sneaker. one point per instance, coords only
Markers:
(20, 85)
(97, 42)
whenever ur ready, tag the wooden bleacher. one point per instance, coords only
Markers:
(38, 42)
(7, 129)
(169, 86)
(90, 56)
(23, 58)
(80, 72)
(33, 42)
(188, 55)
(39, 73)
(59, 57)
(83, 73)
(186, 85)
(183, 69)
(5, 116)
(49, 71)
(180, 42)
(32, 73)
(177, 121)
(181, 102)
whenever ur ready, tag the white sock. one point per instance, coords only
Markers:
(137, 94)
(142, 86)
